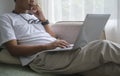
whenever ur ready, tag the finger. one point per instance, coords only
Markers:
(64, 42)
(63, 45)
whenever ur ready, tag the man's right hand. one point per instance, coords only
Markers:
(57, 43)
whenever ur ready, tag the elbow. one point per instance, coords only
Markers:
(13, 53)
(19, 53)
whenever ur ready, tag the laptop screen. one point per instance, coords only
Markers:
(92, 28)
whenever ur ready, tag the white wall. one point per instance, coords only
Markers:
(6, 6)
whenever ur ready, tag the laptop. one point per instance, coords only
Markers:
(91, 30)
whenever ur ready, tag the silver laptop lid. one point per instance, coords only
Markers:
(92, 28)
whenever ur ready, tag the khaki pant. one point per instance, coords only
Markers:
(90, 56)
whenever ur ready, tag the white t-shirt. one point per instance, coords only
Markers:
(15, 26)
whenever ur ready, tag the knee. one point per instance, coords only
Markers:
(105, 41)
(96, 41)
(99, 42)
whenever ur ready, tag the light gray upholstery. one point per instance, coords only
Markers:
(67, 30)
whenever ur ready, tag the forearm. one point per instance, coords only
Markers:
(47, 26)
(22, 50)
(49, 30)
(39, 14)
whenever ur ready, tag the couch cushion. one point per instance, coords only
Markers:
(5, 57)
(67, 30)
(17, 70)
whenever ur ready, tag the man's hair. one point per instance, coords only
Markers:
(15, 0)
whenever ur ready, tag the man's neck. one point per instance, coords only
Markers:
(19, 11)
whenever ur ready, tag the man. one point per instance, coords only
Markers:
(26, 33)
(21, 8)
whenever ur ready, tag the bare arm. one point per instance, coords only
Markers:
(22, 50)
(25, 50)
(37, 11)
(49, 30)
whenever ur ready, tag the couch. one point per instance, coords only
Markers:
(68, 30)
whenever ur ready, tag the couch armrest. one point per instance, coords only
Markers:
(67, 30)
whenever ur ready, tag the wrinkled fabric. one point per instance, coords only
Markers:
(92, 55)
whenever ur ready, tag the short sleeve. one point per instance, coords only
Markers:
(6, 30)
